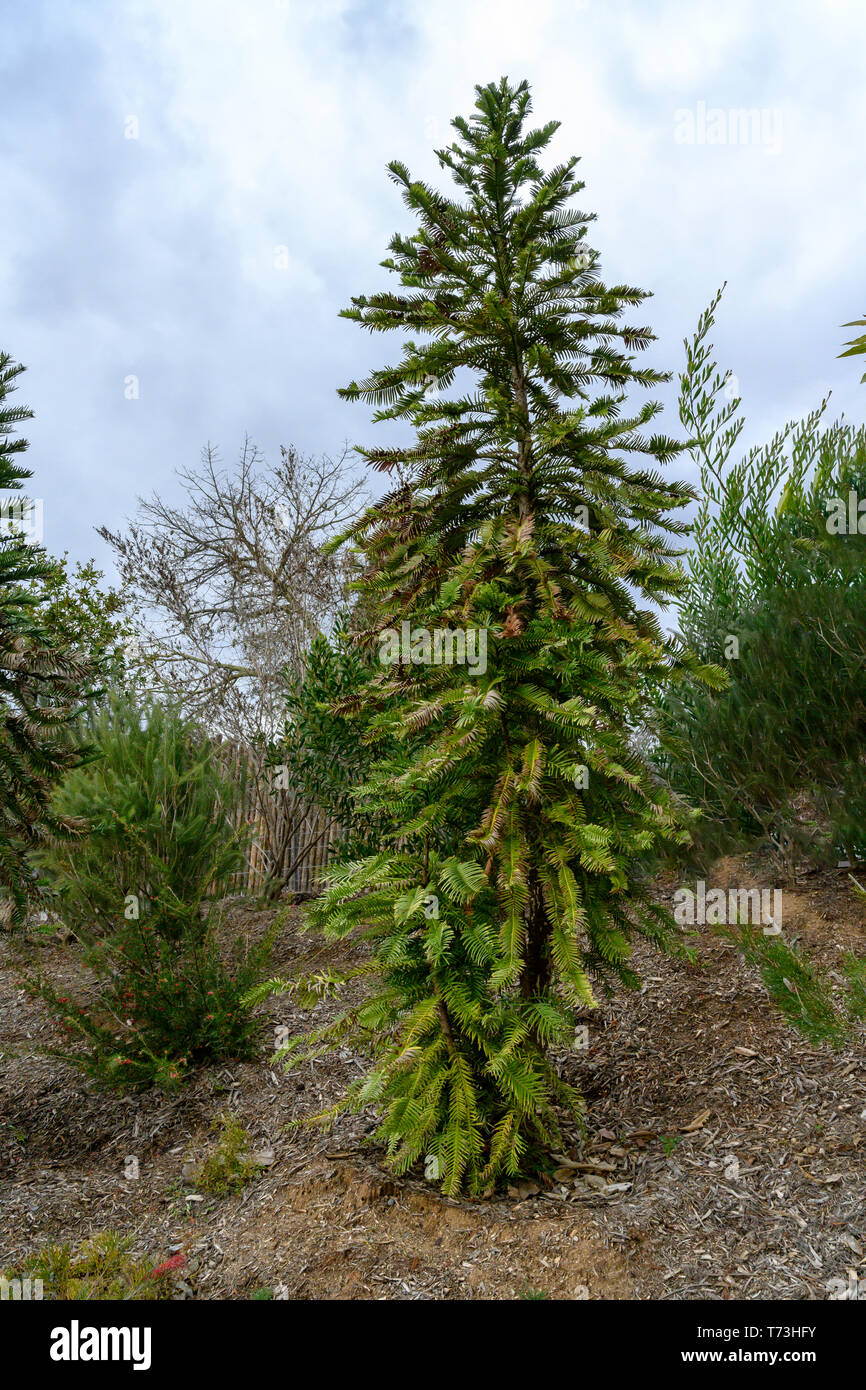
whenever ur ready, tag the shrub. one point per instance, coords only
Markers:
(100, 1269)
(778, 598)
(161, 1007)
(323, 745)
(139, 894)
(776, 593)
(161, 844)
(229, 1167)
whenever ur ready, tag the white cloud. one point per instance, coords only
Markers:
(266, 126)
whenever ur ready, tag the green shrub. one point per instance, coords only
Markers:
(778, 599)
(139, 895)
(99, 1269)
(161, 1007)
(775, 594)
(323, 744)
(161, 843)
(229, 1167)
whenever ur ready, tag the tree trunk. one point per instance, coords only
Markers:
(535, 976)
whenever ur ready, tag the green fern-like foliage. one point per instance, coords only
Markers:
(531, 507)
(42, 683)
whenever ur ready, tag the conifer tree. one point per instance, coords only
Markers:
(530, 508)
(41, 684)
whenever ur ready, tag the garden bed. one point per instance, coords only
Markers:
(725, 1156)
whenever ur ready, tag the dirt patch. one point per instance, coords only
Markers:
(345, 1231)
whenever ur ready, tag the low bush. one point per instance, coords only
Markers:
(100, 1269)
(229, 1166)
(775, 595)
(139, 894)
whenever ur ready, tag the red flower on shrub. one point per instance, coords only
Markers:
(168, 1266)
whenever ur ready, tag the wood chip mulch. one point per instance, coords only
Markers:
(724, 1158)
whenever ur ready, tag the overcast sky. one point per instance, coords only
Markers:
(193, 189)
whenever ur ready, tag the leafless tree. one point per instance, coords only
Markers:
(230, 588)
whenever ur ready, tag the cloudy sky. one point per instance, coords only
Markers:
(194, 188)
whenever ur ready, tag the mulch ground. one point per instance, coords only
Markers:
(725, 1156)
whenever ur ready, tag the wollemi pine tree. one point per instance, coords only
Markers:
(530, 509)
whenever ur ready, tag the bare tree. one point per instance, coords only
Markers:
(230, 588)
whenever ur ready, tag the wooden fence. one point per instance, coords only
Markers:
(291, 840)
